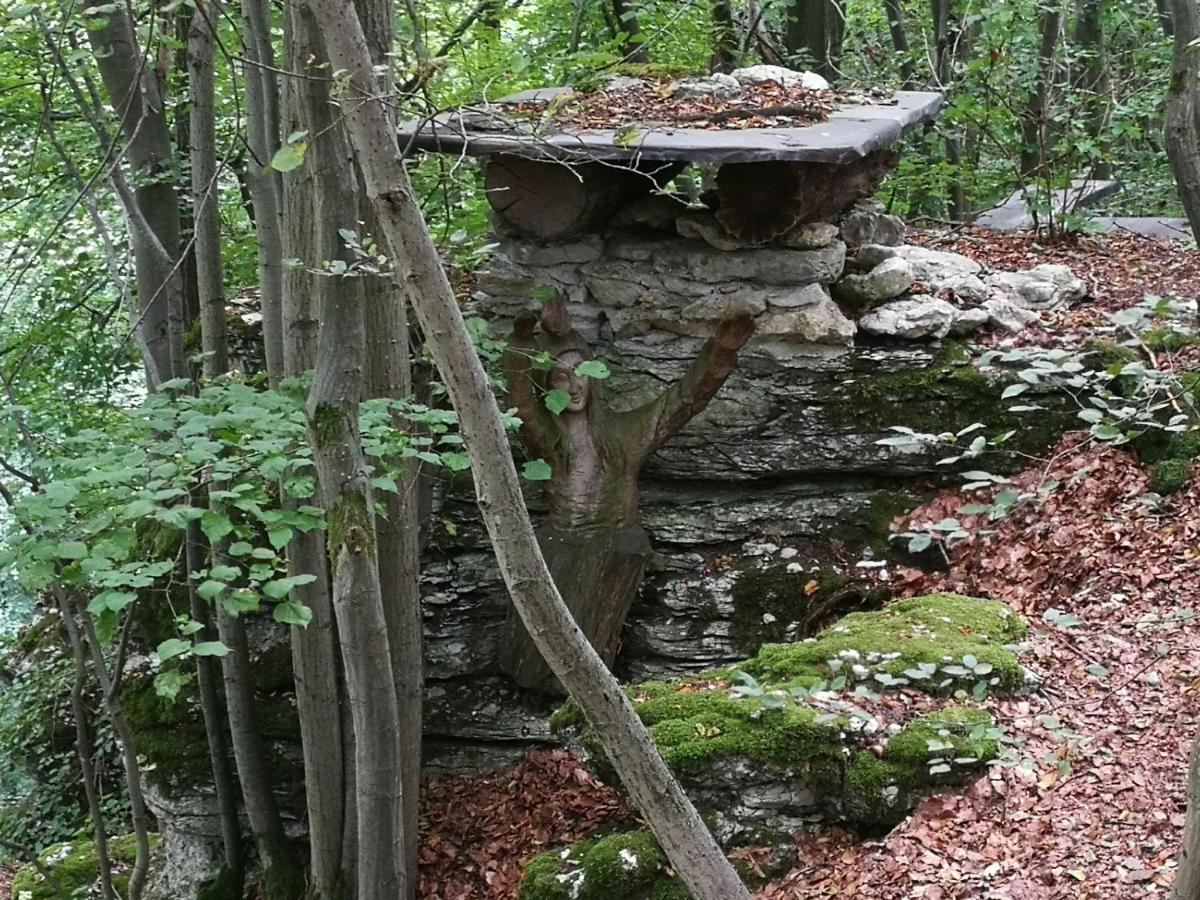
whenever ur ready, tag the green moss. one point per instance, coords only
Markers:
(934, 749)
(1156, 445)
(350, 525)
(170, 735)
(1166, 340)
(75, 868)
(947, 395)
(1170, 476)
(770, 603)
(940, 629)
(621, 866)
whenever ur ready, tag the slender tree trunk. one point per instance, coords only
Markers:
(212, 709)
(310, 237)
(133, 773)
(651, 785)
(626, 20)
(1034, 118)
(266, 187)
(206, 248)
(816, 28)
(1183, 149)
(1094, 82)
(724, 37)
(86, 751)
(136, 96)
(895, 16)
(357, 596)
(1165, 20)
(1187, 876)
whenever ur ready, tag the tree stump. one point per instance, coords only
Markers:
(598, 576)
(559, 200)
(761, 201)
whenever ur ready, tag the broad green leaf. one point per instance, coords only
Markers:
(172, 647)
(557, 400)
(279, 537)
(168, 684)
(209, 589)
(289, 612)
(289, 157)
(72, 550)
(215, 525)
(536, 470)
(224, 573)
(241, 601)
(210, 648)
(592, 368)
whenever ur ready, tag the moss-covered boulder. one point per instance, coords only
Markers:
(75, 869)
(797, 734)
(622, 866)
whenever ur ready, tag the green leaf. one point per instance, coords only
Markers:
(279, 537)
(289, 612)
(281, 587)
(557, 400)
(592, 368)
(210, 648)
(172, 647)
(241, 601)
(536, 470)
(168, 684)
(111, 600)
(224, 573)
(72, 550)
(209, 589)
(239, 548)
(289, 157)
(215, 525)
(1014, 390)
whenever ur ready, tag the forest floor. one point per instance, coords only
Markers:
(1096, 808)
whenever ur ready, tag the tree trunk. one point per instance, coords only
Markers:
(1094, 81)
(724, 37)
(205, 212)
(1187, 876)
(1034, 116)
(636, 50)
(306, 237)
(262, 132)
(138, 815)
(357, 597)
(895, 17)
(1183, 150)
(652, 787)
(598, 577)
(136, 96)
(85, 749)
(816, 28)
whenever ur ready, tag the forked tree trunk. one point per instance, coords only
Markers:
(1187, 876)
(1181, 138)
(651, 785)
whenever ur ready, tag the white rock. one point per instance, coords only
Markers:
(965, 287)
(1006, 315)
(911, 318)
(786, 77)
(930, 266)
(716, 85)
(623, 83)
(889, 279)
(1041, 287)
(969, 320)
(821, 323)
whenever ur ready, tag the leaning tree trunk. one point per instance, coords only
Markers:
(651, 785)
(1187, 876)
(1182, 140)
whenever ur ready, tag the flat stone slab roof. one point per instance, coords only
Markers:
(848, 134)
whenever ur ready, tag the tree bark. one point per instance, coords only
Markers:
(724, 37)
(1187, 876)
(85, 749)
(262, 132)
(325, 738)
(652, 787)
(1034, 116)
(895, 17)
(1094, 81)
(205, 213)
(135, 93)
(357, 596)
(816, 28)
(1183, 149)
(626, 20)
